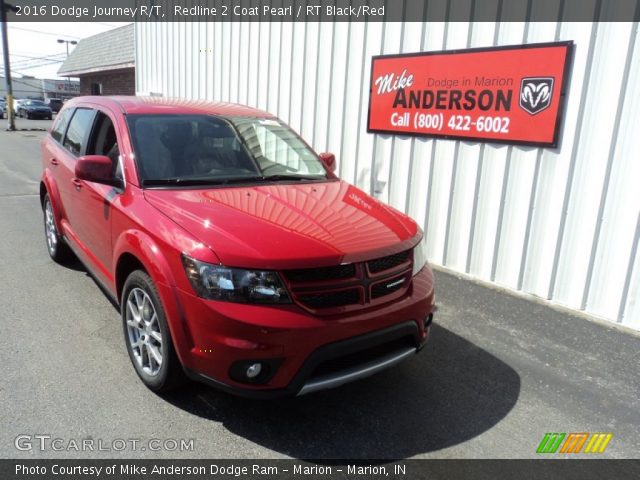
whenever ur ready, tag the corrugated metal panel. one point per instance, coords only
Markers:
(560, 224)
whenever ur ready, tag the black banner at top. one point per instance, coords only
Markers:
(324, 11)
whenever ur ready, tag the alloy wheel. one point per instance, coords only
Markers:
(50, 229)
(143, 331)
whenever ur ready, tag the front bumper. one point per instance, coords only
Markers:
(37, 114)
(311, 352)
(307, 380)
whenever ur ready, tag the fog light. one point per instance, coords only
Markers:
(254, 370)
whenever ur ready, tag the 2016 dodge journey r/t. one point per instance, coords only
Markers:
(235, 253)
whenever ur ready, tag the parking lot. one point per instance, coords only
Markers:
(499, 372)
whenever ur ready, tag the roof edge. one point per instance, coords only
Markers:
(100, 69)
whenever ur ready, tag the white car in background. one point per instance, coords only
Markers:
(16, 104)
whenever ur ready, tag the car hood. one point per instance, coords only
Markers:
(281, 225)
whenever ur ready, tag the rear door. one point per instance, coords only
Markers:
(73, 146)
(53, 154)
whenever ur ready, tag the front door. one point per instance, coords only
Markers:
(93, 200)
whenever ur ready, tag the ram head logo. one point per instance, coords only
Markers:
(535, 94)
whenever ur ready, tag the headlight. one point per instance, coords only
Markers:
(419, 256)
(215, 282)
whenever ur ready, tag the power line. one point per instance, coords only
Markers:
(43, 59)
(32, 63)
(44, 33)
(32, 60)
(38, 65)
(27, 54)
(38, 58)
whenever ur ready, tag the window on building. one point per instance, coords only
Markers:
(96, 89)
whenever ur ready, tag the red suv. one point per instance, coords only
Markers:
(235, 253)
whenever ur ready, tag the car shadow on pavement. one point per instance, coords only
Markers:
(74, 263)
(452, 392)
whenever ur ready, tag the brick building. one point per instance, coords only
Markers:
(104, 63)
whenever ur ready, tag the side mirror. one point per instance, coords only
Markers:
(98, 169)
(329, 161)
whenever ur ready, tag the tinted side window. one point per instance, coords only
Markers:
(103, 141)
(78, 128)
(57, 132)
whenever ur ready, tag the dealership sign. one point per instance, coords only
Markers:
(511, 94)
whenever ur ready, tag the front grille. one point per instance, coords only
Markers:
(330, 299)
(323, 274)
(352, 285)
(388, 287)
(386, 263)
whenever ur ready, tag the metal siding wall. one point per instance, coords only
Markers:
(346, 151)
(621, 213)
(560, 224)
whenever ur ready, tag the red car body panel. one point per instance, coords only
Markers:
(269, 226)
(304, 224)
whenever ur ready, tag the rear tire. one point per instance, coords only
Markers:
(56, 246)
(147, 336)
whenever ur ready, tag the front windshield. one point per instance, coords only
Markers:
(205, 149)
(36, 103)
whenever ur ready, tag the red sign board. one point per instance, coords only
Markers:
(511, 94)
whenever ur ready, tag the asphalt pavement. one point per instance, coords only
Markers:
(499, 372)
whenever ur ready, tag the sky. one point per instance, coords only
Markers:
(34, 49)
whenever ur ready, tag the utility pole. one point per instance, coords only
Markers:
(67, 42)
(4, 7)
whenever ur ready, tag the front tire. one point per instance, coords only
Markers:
(147, 335)
(58, 250)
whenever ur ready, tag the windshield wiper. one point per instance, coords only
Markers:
(189, 182)
(206, 181)
(292, 177)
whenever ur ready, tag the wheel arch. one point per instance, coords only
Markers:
(43, 192)
(137, 250)
(48, 186)
(127, 263)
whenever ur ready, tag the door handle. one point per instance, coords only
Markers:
(54, 161)
(77, 183)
